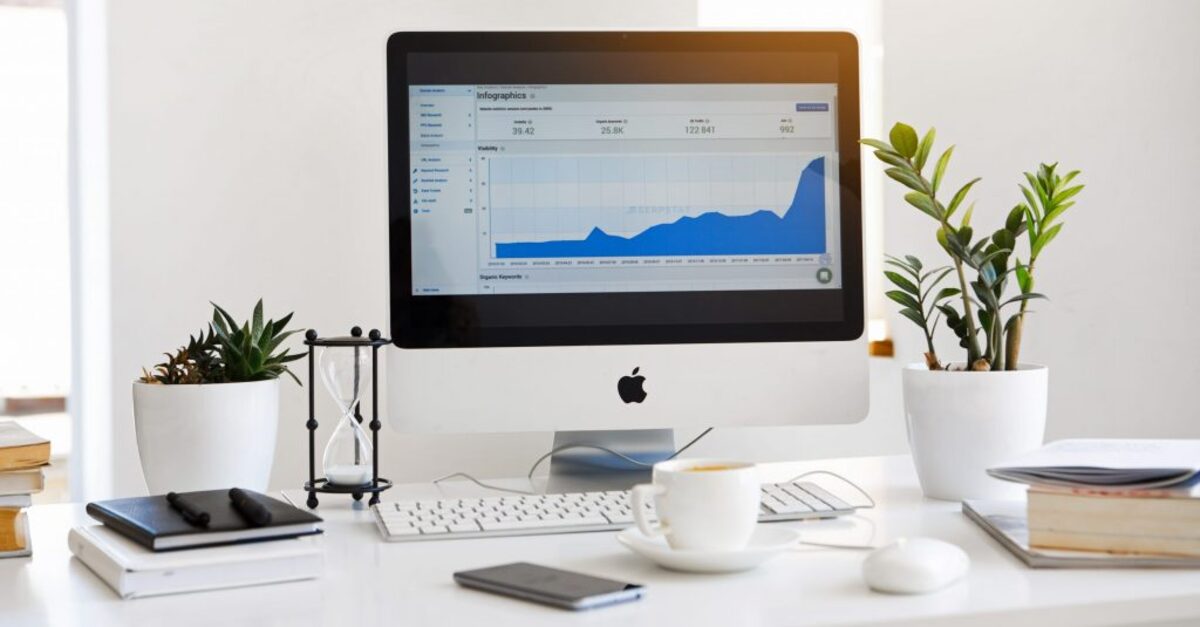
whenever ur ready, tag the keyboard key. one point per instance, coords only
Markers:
(401, 531)
(492, 525)
(819, 492)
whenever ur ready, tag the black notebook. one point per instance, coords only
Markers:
(153, 523)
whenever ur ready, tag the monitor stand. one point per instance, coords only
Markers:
(591, 470)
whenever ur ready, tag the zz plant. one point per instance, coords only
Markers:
(975, 309)
(228, 352)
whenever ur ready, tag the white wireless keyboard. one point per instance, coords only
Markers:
(519, 515)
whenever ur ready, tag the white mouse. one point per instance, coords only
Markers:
(915, 566)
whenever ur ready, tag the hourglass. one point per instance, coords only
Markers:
(349, 370)
(347, 459)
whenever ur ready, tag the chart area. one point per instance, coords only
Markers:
(624, 188)
(666, 207)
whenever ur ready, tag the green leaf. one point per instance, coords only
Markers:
(902, 298)
(1015, 220)
(902, 282)
(1031, 220)
(924, 203)
(904, 139)
(923, 149)
(985, 318)
(1004, 238)
(1021, 297)
(966, 220)
(905, 178)
(1037, 187)
(914, 315)
(1024, 279)
(899, 264)
(876, 144)
(914, 262)
(964, 235)
(984, 294)
(960, 195)
(891, 158)
(274, 343)
(224, 316)
(940, 169)
(1063, 195)
(942, 239)
(1054, 213)
(947, 292)
(218, 325)
(257, 320)
(1044, 239)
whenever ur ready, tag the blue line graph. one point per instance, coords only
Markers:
(799, 231)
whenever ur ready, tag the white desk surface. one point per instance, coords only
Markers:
(368, 582)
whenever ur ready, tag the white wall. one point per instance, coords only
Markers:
(1112, 88)
(34, 323)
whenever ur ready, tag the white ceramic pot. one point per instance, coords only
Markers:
(962, 423)
(206, 437)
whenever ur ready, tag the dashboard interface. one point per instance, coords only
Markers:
(649, 187)
(623, 188)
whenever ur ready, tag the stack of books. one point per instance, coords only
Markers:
(22, 456)
(1106, 498)
(195, 541)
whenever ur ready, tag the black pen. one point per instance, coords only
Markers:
(250, 508)
(193, 516)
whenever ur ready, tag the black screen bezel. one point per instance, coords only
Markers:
(494, 320)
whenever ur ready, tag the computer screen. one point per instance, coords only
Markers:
(552, 189)
(567, 188)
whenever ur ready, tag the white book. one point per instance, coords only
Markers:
(1112, 463)
(133, 571)
(22, 481)
(16, 500)
(1005, 521)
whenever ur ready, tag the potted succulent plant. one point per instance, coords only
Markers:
(965, 416)
(207, 417)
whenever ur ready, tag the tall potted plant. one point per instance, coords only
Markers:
(207, 417)
(965, 416)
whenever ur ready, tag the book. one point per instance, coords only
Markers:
(153, 523)
(20, 448)
(1129, 464)
(133, 571)
(14, 533)
(16, 500)
(1005, 521)
(1133, 521)
(25, 481)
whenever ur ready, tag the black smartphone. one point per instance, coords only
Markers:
(551, 586)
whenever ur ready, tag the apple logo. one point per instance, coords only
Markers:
(630, 387)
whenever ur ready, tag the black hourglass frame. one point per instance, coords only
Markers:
(375, 341)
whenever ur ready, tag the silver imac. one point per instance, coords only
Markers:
(609, 235)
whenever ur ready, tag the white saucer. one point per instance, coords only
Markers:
(767, 542)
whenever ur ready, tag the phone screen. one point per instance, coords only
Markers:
(549, 585)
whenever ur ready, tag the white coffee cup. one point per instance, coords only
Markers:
(702, 504)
